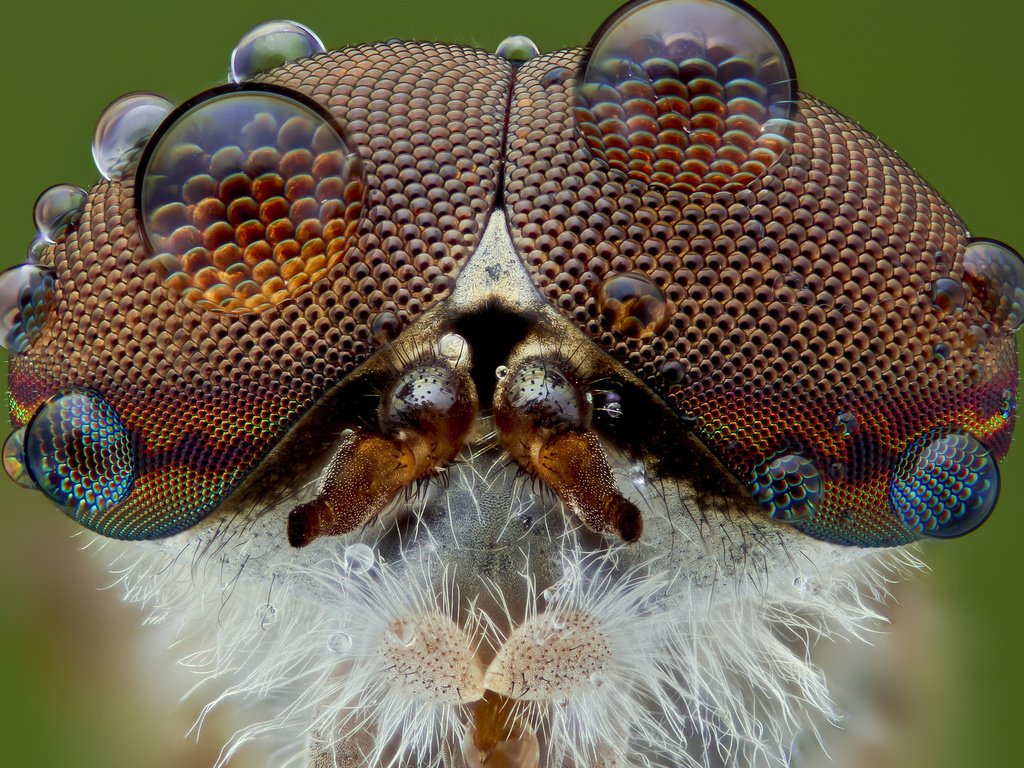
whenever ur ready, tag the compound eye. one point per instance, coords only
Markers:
(687, 95)
(248, 196)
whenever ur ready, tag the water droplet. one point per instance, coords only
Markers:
(270, 45)
(452, 347)
(248, 199)
(944, 485)
(597, 679)
(555, 76)
(540, 637)
(837, 470)
(402, 632)
(26, 303)
(1008, 407)
(385, 327)
(633, 305)
(941, 352)
(674, 372)
(267, 615)
(687, 95)
(36, 249)
(607, 403)
(14, 459)
(948, 295)
(845, 424)
(501, 372)
(339, 642)
(517, 49)
(58, 209)
(358, 559)
(995, 274)
(80, 454)
(788, 487)
(126, 124)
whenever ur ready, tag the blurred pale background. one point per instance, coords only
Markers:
(940, 80)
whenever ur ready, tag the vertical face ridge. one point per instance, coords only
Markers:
(803, 320)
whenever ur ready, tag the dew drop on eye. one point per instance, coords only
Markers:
(26, 300)
(788, 487)
(125, 125)
(517, 49)
(269, 45)
(632, 305)
(14, 459)
(57, 209)
(995, 274)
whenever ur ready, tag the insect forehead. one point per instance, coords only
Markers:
(849, 358)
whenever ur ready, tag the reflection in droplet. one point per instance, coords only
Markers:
(58, 209)
(269, 45)
(501, 372)
(948, 294)
(945, 485)
(358, 559)
(632, 305)
(247, 199)
(941, 351)
(80, 454)
(126, 124)
(788, 487)
(687, 95)
(26, 302)
(517, 49)
(995, 274)
(402, 632)
(845, 424)
(14, 459)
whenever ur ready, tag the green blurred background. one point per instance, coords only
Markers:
(941, 81)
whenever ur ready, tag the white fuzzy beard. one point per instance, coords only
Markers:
(691, 650)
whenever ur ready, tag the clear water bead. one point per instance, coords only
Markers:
(402, 632)
(995, 274)
(126, 124)
(788, 487)
(14, 459)
(632, 304)
(271, 44)
(339, 642)
(358, 559)
(26, 300)
(57, 209)
(846, 424)
(517, 49)
(36, 249)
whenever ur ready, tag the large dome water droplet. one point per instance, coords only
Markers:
(995, 274)
(944, 486)
(788, 487)
(26, 301)
(358, 559)
(687, 95)
(58, 209)
(125, 125)
(633, 305)
(269, 45)
(518, 49)
(14, 459)
(79, 453)
(247, 199)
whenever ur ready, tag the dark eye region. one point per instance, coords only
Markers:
(792, 293)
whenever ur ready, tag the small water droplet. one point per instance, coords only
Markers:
(269, 45)
(58, 209)
(452, 347)
(540, 637)
(597, 679)
(555, 76)
(942, 352)
(36, 249)
(402, 632)
(1008, 407)
(267, 615)
(358, 559)
(607, 403)
(995, 274)
(674, 372)
(501, 372)
(633, 305)
(81, 455)
(385, 327)
(788, 487)
(944, 485)
(548, 595)
(14, 459)
(126, 124)
(339, 642)
(517, 49)
(837, 470)
(26, 302)
(845, 424)
(948, 294)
